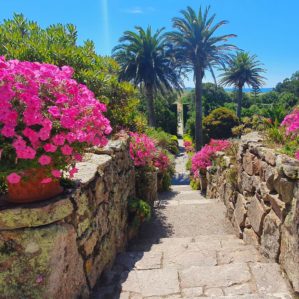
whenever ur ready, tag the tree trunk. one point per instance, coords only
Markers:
(150, 105)
(198, 110)
(240, 98)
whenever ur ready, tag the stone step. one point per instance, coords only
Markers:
(239, 280)
(183, 257)
(180, 188)
(200, 242)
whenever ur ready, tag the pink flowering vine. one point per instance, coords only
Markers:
(203, 159)
(46, 118)
(142, 150)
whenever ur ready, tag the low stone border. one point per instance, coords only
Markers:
(261, 192)
(59, 248)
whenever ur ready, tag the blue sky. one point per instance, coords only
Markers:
(264, 27)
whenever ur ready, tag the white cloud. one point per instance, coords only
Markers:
(134, 10)
(139, 10)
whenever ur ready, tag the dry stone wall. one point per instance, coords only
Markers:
(59, 248)
(260, 189)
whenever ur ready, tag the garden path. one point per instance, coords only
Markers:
(189, 250)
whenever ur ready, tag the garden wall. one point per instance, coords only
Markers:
(59, 248)
(260, 189)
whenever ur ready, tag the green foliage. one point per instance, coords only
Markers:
(289, 85)
(57, 44)
(165, 111)
(213, 97)
(195, 184)
(164, 140)
(146, 61)
(219, 124)
(139, 211)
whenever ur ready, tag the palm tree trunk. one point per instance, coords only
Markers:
(240, 98)
(150, 105)
(198, 110)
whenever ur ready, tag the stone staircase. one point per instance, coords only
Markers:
(189, 250)
(189, 263)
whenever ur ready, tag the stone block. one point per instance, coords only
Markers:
(286, 190)
(240, 211)
(289, 256)
(36, 214)
(250, 237)
(256, 214)
(288, 166)
(248, 159)
(249, 183)
(161, 282)
(215, 277)
(278, 206)
(270, 239)
(239, 255)
(269, 278)
(267, 174)
(88, 168)
(41, 263)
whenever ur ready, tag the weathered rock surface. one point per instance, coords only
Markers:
(265, 213)
(270, 240)
(59, 248)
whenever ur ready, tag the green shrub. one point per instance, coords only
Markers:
(195, 184)
(139, 211)
(219, 123)
(164, 140)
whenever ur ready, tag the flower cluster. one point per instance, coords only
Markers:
(144, 153)
(142, 149)
(188, 146)
(47, 119)
(161, 161)
(291, 122)
(203, 159)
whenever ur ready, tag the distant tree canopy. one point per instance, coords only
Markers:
(290, 85)
(213, 97)
(57, 44)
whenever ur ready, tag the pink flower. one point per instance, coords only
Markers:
(203, 159)
(54, 111)
(58, 139)
(142, 149)
(46, 181)
(67, 150)
(13, 178)
(78, 157)
(44, 160)
(50, 148)
(73, 171)
(56, 173)
(41, 108)
(297, 155)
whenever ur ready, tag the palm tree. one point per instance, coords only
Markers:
(198, 49)
(145, 60)
(243, 69)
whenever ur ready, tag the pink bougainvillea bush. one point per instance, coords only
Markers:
(203, 159)
(144, 153)
(161, 161)
(188, 145)
(142, 150)
(47, 119)
(291, 122)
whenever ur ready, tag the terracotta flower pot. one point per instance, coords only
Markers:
(30, 189)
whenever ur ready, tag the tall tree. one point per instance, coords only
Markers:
(146, 60)
(198, 49)
(243, 68)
